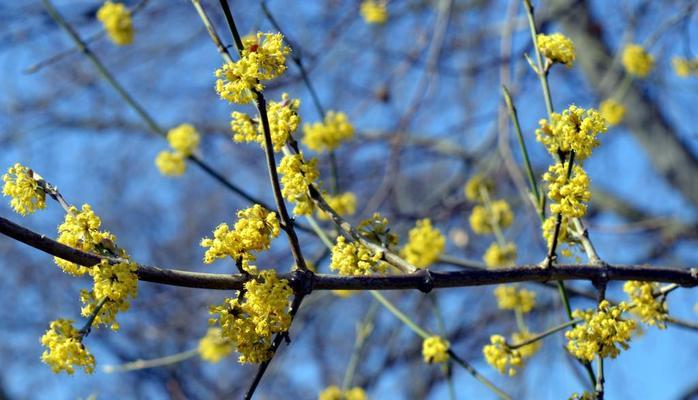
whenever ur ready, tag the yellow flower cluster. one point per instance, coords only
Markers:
(557, 48)
(637, 61)
(184, 140)
(528, 350)
(612, 111)
(64, 348)
(548, 229)
(117, 283)
(342, 204)
(213, 347)
(263, 59)
(80, 230)
(583, 396)
(377, 229)
(254, 230)
(509, 297)
(424, 246)
(435, 350)
(335, 393)
(116, 19)
(500, 256)
(374, 12)
(645, 305)
(484, 217)
(576, 129)
(283, 121)
(329, 134)
(296, 176)
(250, 322)
(685, 67)
(501, 357)
(600, 332)
(355, 259)
(475, 185)
(22, 185)
(568, 195)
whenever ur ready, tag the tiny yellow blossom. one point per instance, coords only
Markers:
(637, 61)
(568, 196)
(374, 12)
(296, 176)
(184, 139)
(335, 393)
(600, 333)
(342, 204)
(118, 283)
(435, 350)
(557, 48)
(501, 357)
(511, 298)
(283, 121)
(80, 230)
(213, 347)
(613, 111)
(251, 322)
(483, 217)
(425, 244)
(475, 186)
(355, 259)
(685, 67)
(64, 348)
(22, 185)
(254, 230)
(263, 59)
(116, 19)
(329, 134)
(500, 256)
(645, 305)
(576, 129)
(170, 163)
(528, 350)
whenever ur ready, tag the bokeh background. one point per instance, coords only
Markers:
(423, 92)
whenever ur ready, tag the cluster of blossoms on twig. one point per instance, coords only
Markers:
(184, 141)
(336, 393)
(637, 61)
(600, 333)
(685, 67)
(117, 22)
(374, 11)
(23, 186)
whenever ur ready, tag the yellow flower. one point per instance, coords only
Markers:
(500, 256)
(184, 139)
(374, 12)
(548, 229)
(613, 111)
(637, 61)
(170, 163)
(342, 204)
(355, 259)
(511, 298)
(335, 393)
(116, 19)
(118, 283)
(329, 134)
(568, 196)
(576, 129)
(251, 321)
(22, 185)
(528, 350)
(435, 350)
(483, 218)
(296, 176)
(600, 333)
(254, 230)
(213, 347)
(645, 305)
(557, 48)
(64, 348)
(425, 244)
(475, 186)
(685, 67)
(283, 121)
(80, 230)
(263, 59)
(501, 357)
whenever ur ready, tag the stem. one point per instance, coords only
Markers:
(152, 363)
(85, 330)
(544, 334)
(599, 390)
(477, 375)
(363, 331)
(400, 315)
(541, 71)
